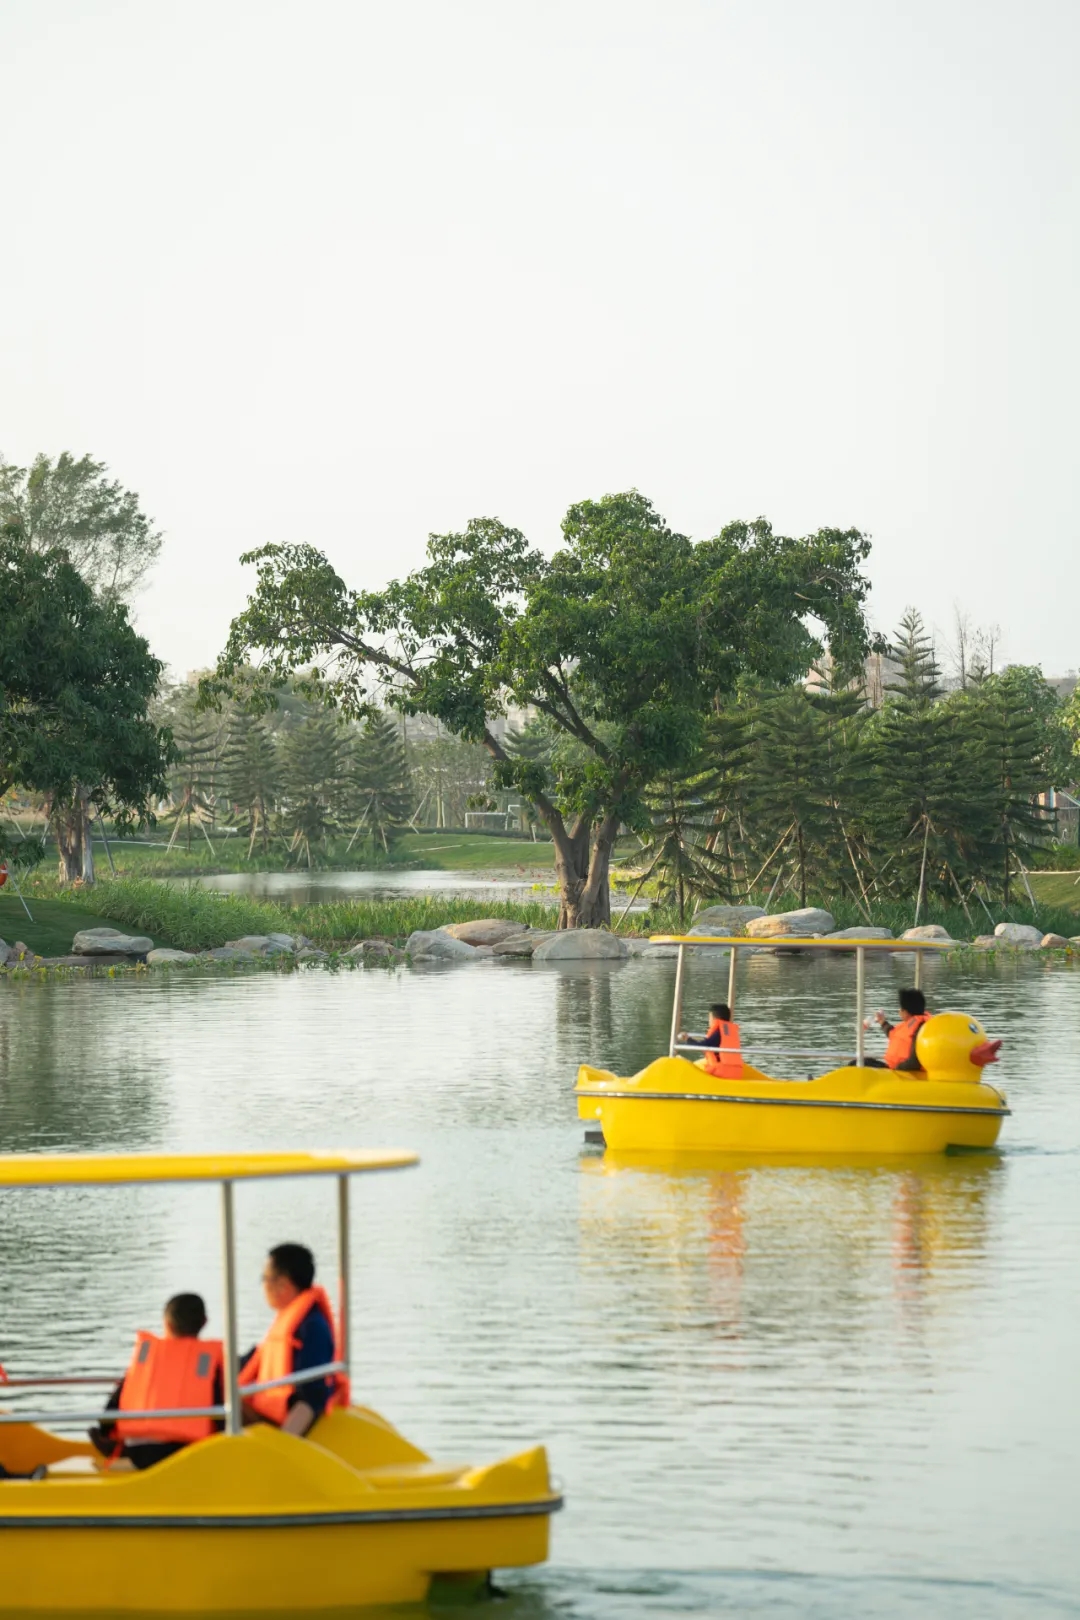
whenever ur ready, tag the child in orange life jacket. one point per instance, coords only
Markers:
(301, 1337)
(722, 1056)
(178, 1370)
(900, 1051)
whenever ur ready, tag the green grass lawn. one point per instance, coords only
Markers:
(55, 923)
(1054, 889)
(442, 851)
(470, 852)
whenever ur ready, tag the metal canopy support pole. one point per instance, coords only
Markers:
(343, 1272)
(676, 1011)
(731, 979)
(233, 1413)
(860, 1004)
(918, 970)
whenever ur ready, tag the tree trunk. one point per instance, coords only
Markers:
(583, 867)
(582, 856)
(71, 823)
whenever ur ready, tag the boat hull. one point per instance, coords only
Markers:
(300, 1569)
(263, 1523)
(673, 1107)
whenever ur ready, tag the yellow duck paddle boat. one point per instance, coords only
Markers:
(248, 1520)
(673, 1106)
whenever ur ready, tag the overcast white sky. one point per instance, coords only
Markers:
(349, 272)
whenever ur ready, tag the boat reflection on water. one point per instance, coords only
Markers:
(759, 1241)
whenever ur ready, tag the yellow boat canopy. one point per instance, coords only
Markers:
(796, 943)
(120, 1169)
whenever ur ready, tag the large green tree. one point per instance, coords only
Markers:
(76, 683)
(622, 639)
(73, 504)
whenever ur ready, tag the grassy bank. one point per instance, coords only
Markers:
(437, 852)
(899, 916)
(56, 921)
(193, 918)
(1060, 890)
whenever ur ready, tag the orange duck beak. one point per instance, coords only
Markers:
(986, 1052)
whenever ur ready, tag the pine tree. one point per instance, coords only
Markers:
(929, 807)
(1014, 751)
(193, 778)
(311, 763)
(790, 802)
(251, 770)
(678, 850)
(377, 794)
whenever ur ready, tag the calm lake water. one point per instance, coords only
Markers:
(307, 888)
(769, 1390)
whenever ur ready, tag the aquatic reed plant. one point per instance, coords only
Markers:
(193, 918)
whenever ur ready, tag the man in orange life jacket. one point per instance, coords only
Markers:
(301, 1336)
(722, 1057)
(900, 1051)
(177, 1370)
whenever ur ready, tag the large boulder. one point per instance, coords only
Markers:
(110, 942)
(985, 942)
(162, 957)
(484, 930)
(646, 948)
(523, 944)
(374, 950)
(929, 931)
(725, 919)
(267, 944)
(862, 932)
(1021, 936)
(807, 923)
(1054, 942)
(432, 945)
(581, 945)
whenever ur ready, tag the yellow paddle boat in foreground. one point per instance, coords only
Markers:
(249, 1520)
(674, 1106)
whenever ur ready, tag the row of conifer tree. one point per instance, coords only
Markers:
(797, 792)
(802, 792)
(296, 778)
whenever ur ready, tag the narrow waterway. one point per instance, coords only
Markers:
(769, 1390)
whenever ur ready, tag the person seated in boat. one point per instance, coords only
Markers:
(178, 1369)
(900, 1049)
(302, 1336)
(721, 1042)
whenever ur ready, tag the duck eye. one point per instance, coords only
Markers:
(974, 1028)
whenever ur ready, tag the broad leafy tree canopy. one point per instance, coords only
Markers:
(75, 685)
(622, 640)
(71, 503)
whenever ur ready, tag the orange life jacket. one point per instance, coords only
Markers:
(727, 1065)
(901, 1042)
(166, 1373)
(275, 1358)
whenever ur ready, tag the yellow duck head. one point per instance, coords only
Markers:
(952, 1046)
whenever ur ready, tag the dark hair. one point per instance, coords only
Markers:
(185, 1315)
(721, 1010)
(293, 1261)
(913, 1002)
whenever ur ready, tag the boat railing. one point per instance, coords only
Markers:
(60, 1419)
(700, 1047)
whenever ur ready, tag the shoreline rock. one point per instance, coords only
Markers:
(581, 945)
(110, 942)
(488, 931)
(808, 922)
(431, 945)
